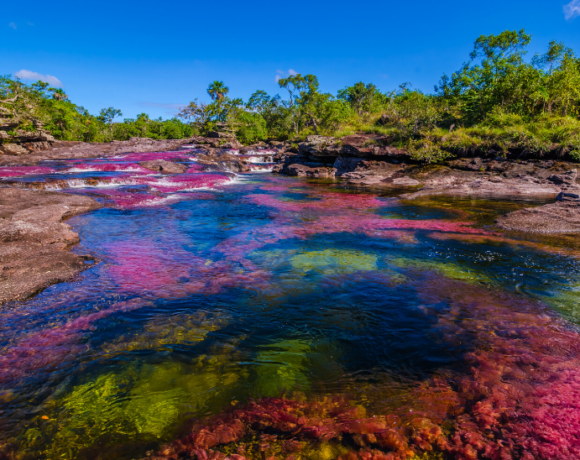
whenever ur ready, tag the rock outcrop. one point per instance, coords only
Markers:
(73, 149)
(34, 241)
(561, 217)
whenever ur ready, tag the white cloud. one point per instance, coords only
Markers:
(572, 9)
(12, 25)
(35, 76)
(283, 74)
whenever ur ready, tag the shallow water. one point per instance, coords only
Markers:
(213, 290)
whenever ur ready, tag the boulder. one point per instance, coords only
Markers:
(12, 149)
(221, 135)
(320, 146)
(568, 178)
(231, 144)
(371, 146)
(163, 166)
(301, 170)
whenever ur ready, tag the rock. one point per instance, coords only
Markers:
(384, 120)
(221, 135)
(231, 144)
(307, 171)
(406, 182)
(320, 146)
(74, 149)
(12, 149)
(345, 165)
(568, 197)
(568, 178)
(34, 240)
(371, 146)
(562, 217)
(163, 166)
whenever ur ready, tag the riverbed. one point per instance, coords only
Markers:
(309, 318)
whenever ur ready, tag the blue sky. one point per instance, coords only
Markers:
(153, 56)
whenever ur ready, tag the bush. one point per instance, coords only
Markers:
(425, 151)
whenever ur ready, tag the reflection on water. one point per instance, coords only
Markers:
(267, 317)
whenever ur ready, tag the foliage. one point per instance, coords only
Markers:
(498, 102)
(35, 106)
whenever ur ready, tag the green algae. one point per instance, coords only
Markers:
(448, 269)
(333, 261)
(281, 366)
(567, 301)
(163, 331)
(144, 403)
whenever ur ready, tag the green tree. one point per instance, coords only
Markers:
(495, 75)
(362, 98)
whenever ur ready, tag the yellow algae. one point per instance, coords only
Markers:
(332, 261)
(146, 402)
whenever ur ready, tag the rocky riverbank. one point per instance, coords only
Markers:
(35, 241)
(35, 153)
(366, 160)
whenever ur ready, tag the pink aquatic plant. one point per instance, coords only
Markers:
(47, 350)
(167, 270)
(17, 171)
(131, 200)
(182, 182)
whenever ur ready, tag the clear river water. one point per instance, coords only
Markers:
(260, 316)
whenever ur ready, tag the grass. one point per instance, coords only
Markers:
(499, 134)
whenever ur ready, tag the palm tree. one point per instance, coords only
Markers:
(217, 90)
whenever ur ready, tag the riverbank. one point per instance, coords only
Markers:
(359, 324)
(36, 241)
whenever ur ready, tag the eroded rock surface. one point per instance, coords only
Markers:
(71, 150)
(561, 217)
(163, 166)
(34, 241)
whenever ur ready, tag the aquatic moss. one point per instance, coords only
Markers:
(143, 403)
(448, 269)
(333, 261)
(169, 330)
(281, 366)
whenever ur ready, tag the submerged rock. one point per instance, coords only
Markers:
(563, 216)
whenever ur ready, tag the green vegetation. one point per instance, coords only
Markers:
(498, 103)
(32, 108)
(330, 261)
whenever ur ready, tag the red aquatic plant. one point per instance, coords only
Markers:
(519, 398)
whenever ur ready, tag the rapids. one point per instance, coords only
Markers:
(257, 316)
